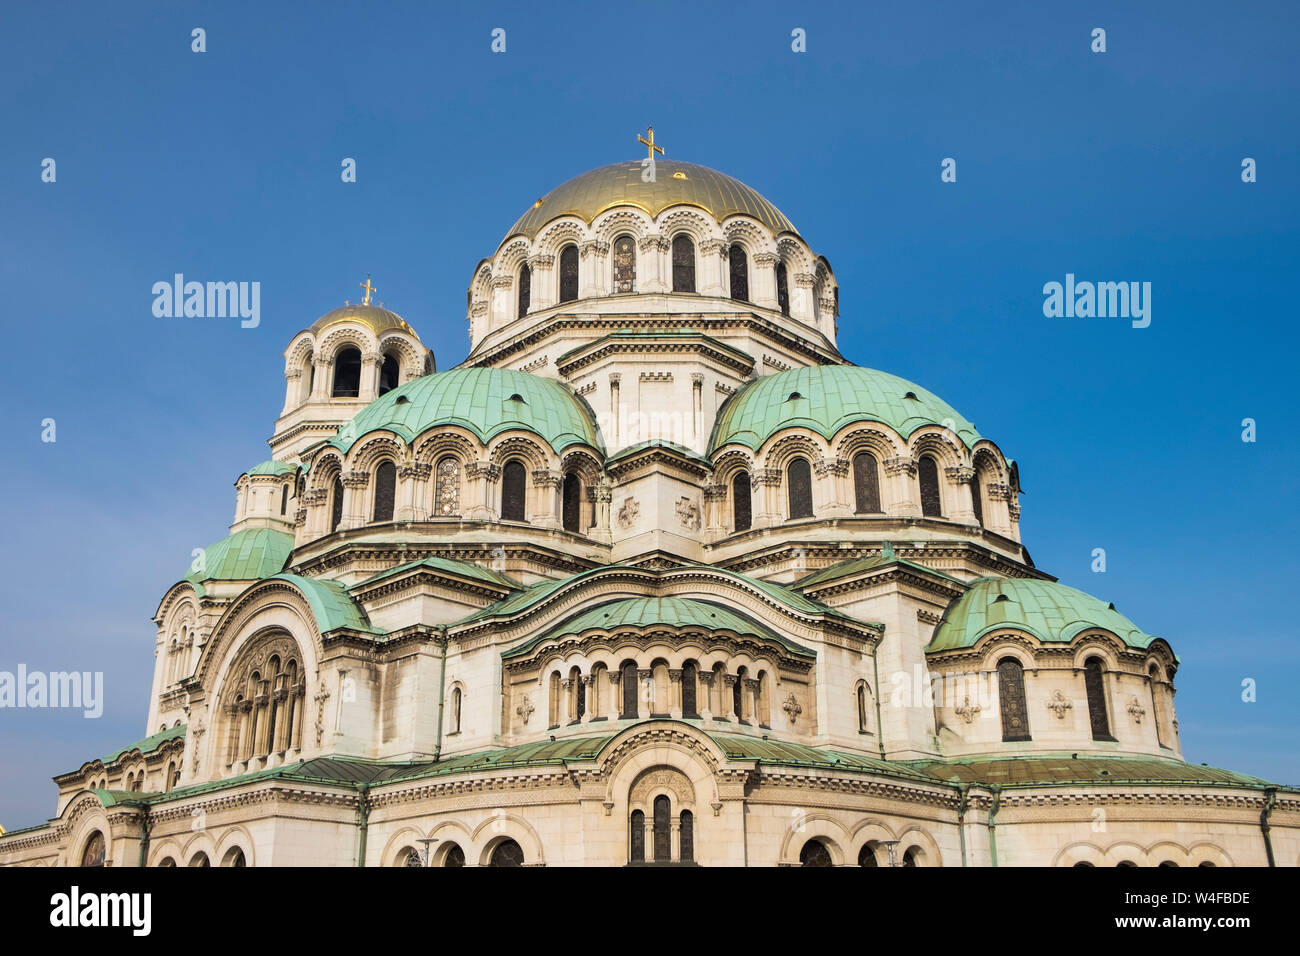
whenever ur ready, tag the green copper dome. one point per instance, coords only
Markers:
(271, 467)
(1051, 612)
(248, 555)
(487, 401)
(825, 398)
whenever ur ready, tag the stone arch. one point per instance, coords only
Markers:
(1080, 853)
(168, 849)
(559, 234)
(813, 826)
(529, 448)
(85, 816)
(508, 260)
(501, 826)
(435, 442)
(610, 225)
(1200, 854)
(1167, 851)
(915, 837)
(236, 837)
(349, 334)
(698, 227)
(408, 352)
(1096, 643)
(793, 443)
(880, 441)
(794, 254)
(748, 233)
(870, 832)
(659, 743)
(1117, 853)
(376, 447)
(939, 444)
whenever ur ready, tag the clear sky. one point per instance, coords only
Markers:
(1123, 165)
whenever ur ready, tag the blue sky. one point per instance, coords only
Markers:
(1116, 166)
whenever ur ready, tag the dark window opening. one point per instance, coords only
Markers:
(347, 374)
(741, 502)
(690, 681)
(1094, 684)
(336, 504)
(389, 374)
(799, 490)
(569, 274)
(814, 853)
(782, 289)
(866, 484)
(636, 852)
(385, 490)
(663, 846)
(525, 289)
(928, 472)
(1011, 693)
(572, 501)
(687, 836)
(629, 691)
(739, 273)
(683, 264)
(512, 491)
(624, 264)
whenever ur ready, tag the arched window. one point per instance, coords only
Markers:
(683, 264)
(867, 856)
(1094, 685)
(347, 373)
(910, 857)
(446, 491)
(663, 830)
(389, 374)
(336, 503)
(507, 853)
(580, 697)
(636, 828)
(555, 700)
(928, 472)
(455, 710)
(454, 856)
(525, 289)
(168, 861)
(569, 273)
(624, 264)
(93, 854)
(410, 857)
(1157, 712)
(866, 484)
(799, 488)
(864, 722)
(782, 289)
(739, 263)
(199, 859)
(977, 498)
(629, 691)
(690, 682)
(512, 491)
(572, 503)
(284, 498)
(235, 858)
(742, 502)
(814, 853)
(687, 836)
(1011, 692)
(385, 490)
(738, 695)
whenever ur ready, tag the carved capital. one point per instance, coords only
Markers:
(593, 247)
(416, 469)
(902, 465)
(831, 466)
(356, 479)
(766, 258)
(483, 469)
(960, 473)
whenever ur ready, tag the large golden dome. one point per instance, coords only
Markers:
(380, 320)
(676, 183)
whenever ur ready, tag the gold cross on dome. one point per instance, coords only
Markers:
(649, 144)
(369, 289)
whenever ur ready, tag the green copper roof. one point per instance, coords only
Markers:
(1050, 611)
(830, 397)
(1066, 770)
(858, 565)
(481, 400)
(149, 744)
(330, 604)
(462, 568)
(663, 443)
(271, 467)
(648, 612)
(248, 555)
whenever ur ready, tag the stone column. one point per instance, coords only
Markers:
(543, 293)
(546, 487)
(413, 491)
(354, 499)
(480, 491)
(705, 692)
(588, 691)
(801, 298)
(675, 706)
(766, 482)
(715, 511)
(320, 381)
(675, 823)
(831, 487)
(502, 308)
(728, 697)
(281, 729)
(643, 708)
(749, 700)
(903, 496)
(650, 264)
(292, 389)
(615, 686)
(601, 495)
(762, 281)
(713, 256)
(959, 493)
(593, 269)
(567, 693)
(371, 363)
(615, 410)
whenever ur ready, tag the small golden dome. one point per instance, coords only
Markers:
(380, 320)
(676, 183)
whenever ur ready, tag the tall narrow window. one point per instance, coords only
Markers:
(446, 492)
(554, 712)
(336, 503)
(690, 682)
(1095, 687)
(624, 264)
(629, 691)
(738, 695)
(572, 501)
(688, 836)
(663, 832)
(347, 373)
(739, 263)
(385, 490)
(1011, 692)
(1157, 712)
(799, 488)
(284, 499)
(977, 499)
(782, 289)
(580, 707)
(866, 484)
(455, 710)
(928, 472)
(741, 502)
(389, 373)
(636, 848)
(525, 289)
(862, 708)
(683, 264)
(568, 273)
(512, 491)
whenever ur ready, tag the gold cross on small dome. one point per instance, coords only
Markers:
(369, 289)
(649, 144)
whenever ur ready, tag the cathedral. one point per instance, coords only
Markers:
(654, 576)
